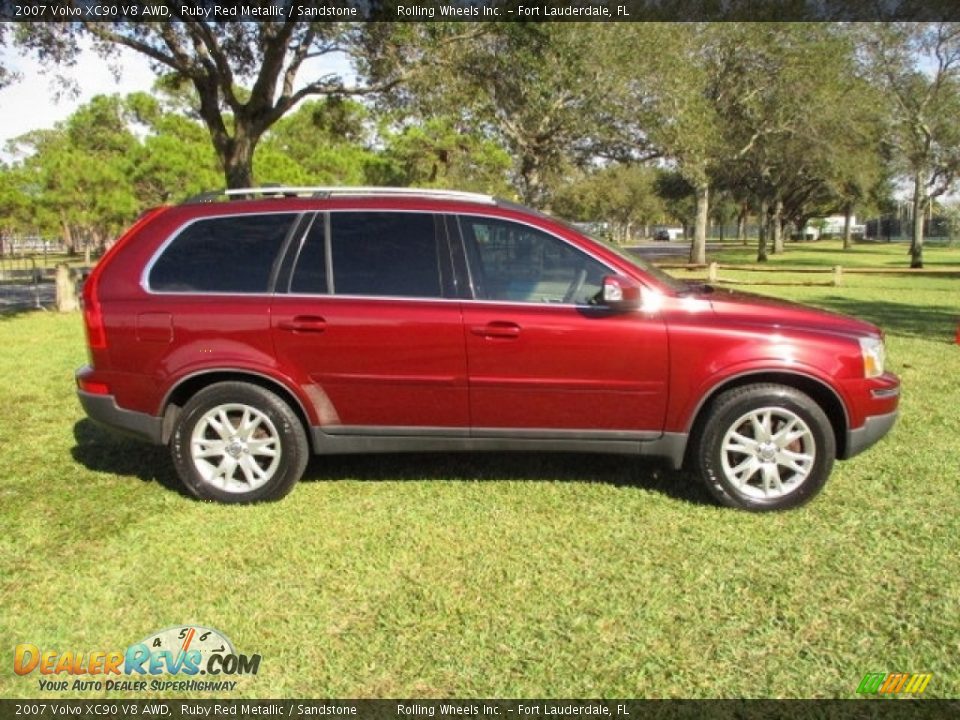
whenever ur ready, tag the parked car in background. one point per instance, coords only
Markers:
(247, 330)
(667, 234)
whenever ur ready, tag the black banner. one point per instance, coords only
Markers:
(477, 10)
(45, 709)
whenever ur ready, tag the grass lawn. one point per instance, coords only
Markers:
(502, 575)
(827, 253)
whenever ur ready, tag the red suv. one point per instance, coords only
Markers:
(247, 334)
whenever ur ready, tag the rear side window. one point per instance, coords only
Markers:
(231, 254)
(383, 254)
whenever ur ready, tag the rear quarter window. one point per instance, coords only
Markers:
(227, 255)
(372, 254)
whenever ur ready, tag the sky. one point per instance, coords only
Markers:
(31, 103)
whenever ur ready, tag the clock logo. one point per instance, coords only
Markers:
(191, 650)
(189, 638)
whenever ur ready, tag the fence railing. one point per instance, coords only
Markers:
(834, 275)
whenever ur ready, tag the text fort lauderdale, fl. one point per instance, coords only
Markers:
(525, 11)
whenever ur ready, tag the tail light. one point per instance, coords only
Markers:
(92, 312)
(92, 315)
(94, 388)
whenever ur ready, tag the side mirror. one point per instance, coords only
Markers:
(621, 294)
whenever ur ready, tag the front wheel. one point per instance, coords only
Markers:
(765, 447)
(238, 443)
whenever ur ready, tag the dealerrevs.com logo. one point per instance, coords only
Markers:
(183, 652)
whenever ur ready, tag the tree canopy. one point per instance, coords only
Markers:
(625, 123)
(246, 76)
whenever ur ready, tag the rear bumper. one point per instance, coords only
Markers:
(874, 428)
(103, 409)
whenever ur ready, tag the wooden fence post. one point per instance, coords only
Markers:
(66, 288)
(837, 276)
(712, 272)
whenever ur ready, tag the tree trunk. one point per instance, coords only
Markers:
(847, 226)
(742, 224)
(698, 248)
(531, 185)
(238, 164)
(98, 240)
(762, 233)
(238, 156)
(66, 288)
(916, 244)
(68, 240)
(776, 223)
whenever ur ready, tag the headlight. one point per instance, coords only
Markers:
(872, 350)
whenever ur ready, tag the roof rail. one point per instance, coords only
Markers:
(347, 191)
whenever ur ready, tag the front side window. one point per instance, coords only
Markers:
(227, 255)
(516, 263)
(381, 254)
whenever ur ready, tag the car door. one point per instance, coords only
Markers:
(363, 318)
(542, 356)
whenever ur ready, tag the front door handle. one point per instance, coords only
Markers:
(304, 323)
(497, 329)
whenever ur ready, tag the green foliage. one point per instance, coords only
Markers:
(787, 120)
(438, 153)
(677, 194)
(17, 210)
(89, 177)
(916, 67)
(623, 195)
(243, 75)
(541, 91)
(78, 173)
(322, 143)
(174, 159)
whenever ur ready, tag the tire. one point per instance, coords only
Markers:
(234, 442)
(764, 447)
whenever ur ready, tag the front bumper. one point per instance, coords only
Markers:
(104, 410)
(874, 428)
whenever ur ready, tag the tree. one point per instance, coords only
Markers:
(621, 195)
(917, 66)
(325, 142)
(437, 153)
(669, 94)
(792, 119)
(678, 196)
(542, 91)
(79, 173)
(218, 59)
(174, 159)
(16, 215)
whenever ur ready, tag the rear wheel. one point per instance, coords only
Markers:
(765, 447)
(238, 443)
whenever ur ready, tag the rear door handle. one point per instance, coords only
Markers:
(304, 323)
(497, 329)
